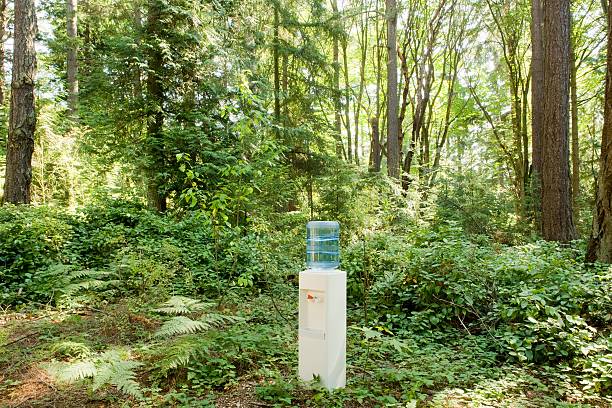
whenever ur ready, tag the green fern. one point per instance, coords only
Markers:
(181, 352)
(108, 368)
(184, 325)
(71, 349)
(178, 305)
(180, 325)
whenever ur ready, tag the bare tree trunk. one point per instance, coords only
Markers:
(347, 102)
(71, 59)
(557, 220)
(275, 57)
(336, 86)
(155, 196)
(3, 31)
(600, 242)
(22, 120)
(393, 148)
(137, 79)
(537, 114)
(363, 43)
(376, 148)
(575, 142)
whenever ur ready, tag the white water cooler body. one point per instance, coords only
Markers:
(322, 326)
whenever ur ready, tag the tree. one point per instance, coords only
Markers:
(155, 95)
(537, 113)
(557, 220)
(71, 58)
(22, 120)
(3, 31)
(393, 148)
(600, 242)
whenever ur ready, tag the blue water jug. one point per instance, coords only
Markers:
(322, 249)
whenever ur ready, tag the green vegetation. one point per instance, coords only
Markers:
(164, 158)
(114, 303)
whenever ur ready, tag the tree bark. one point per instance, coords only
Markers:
(393, 148)
(347, 102)
(376, 148)
(71, 58)
(155, 95)
(600, 242)
(22, 120)
(557, 220)
(575, 135)
(336, 86)
(275, 57)
(3, 30)
(537, 113)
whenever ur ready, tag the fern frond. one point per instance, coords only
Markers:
(180, 353)
(109, 368)
(114, 370)
(72, 372)
(71, 349)
(181, 325)
(218, 320)
(178, 305)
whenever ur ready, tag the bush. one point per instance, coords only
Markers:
(31, 238)
(538, 302)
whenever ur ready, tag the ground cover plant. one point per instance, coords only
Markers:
(144, 315)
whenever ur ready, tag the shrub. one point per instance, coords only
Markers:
(30, 238)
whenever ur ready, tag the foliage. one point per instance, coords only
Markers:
(109, 368)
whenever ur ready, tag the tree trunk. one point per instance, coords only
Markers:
(600, 242)
(537, 113)
(155, 95)
(137, 74)
(22, 120)
(557, 220)
(393, 148)
(376, 148)
(575, 142)
(275, 56)
(71, 59)
(3, 31)
(347, 102)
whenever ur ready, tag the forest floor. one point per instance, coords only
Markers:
(253, 364)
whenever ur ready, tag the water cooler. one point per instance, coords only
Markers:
(322, 303)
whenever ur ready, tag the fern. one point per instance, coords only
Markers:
(72, 372)
(71, 349)
(178, 305)
(184, 325)
(181, 352)
(180, 325)
(109, 368)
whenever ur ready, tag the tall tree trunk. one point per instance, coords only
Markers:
(537, 113)
(3, 31)
(71, 58)
(575, 142)
(275, 57)
(375, 148)
(137, 74)
(393, 148)
(363, 44)
(155, 95)
(347, 102)
(22, 120)
(557, 220)
(600, 242)
(336, 85)
(376, 155)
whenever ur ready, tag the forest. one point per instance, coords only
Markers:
(160, 161)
